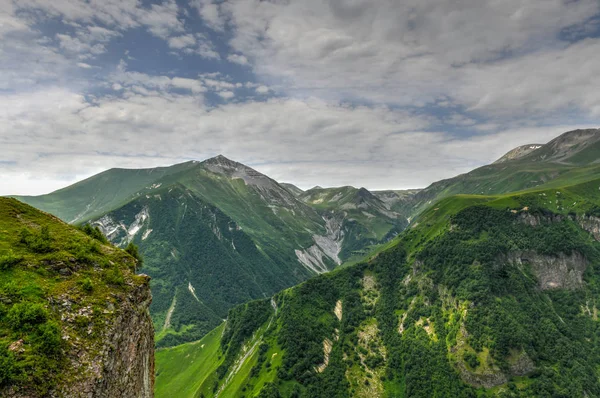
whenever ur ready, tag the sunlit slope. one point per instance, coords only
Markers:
(570, 158)
(100, 193)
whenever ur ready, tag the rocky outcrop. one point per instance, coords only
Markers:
(590, 224)
(123, 364)
(521, 364)
(119, 361)
(326, 246)
(564, 271)
(534, 220)
(488, 378)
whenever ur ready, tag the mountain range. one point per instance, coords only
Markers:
(217, 233)
(485, 283)
(486, 295)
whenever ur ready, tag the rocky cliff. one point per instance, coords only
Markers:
(121, 364)
(74, 316)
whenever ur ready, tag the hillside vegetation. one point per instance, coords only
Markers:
(63, 293)
(482, 296)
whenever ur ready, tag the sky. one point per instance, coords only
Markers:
(382, 94)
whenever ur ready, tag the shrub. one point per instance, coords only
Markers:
(39, 242)
(133, 250)
(25, 316)
(87, 285)
(114, 276)
(48, 339)
(94, 232)
(9, 260)
(471, 359)
(7, 365)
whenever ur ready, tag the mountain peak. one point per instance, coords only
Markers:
(518, 152)
(573, 147)
(221, 160)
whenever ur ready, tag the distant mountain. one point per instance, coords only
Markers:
(366, 220)
(292, 188)
(570, 158)
(396, 199)
(218, 233)
(518, 152)
(487, 296)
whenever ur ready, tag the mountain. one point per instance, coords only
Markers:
(292, 188)
(101, 193)
(215, 234)
(572, 157)
(396, 200)
(483, 296)
(518, 152)
(74, 316)
(364, 218)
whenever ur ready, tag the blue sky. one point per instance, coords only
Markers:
(374, 93)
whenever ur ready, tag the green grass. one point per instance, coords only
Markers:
(181, 370)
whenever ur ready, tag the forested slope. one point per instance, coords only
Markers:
(483, 296)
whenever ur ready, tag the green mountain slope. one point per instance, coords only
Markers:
(484, 295)
(217, 233)
(570, 158)
(99, 194)
(64, 299)
(201, 261)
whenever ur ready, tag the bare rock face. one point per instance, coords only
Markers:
(125, 366)
(590, 224)
(521, 365)
(553, 272)
(534, 220)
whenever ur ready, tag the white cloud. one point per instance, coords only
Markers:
(75, 45)
(151, 84)
(238, 59)
(182, 41)
(159, 19)
(226, 94)
(414, 52)
(262, 89)
(211, 14)
(83, 65)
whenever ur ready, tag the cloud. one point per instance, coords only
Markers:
(237, 59)
(180, 42)
(414, 52)
(226, 94)
(211, 14)
(262, 89)
(380, 93)
(74, 45)
(143, 83)
(159, 19)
